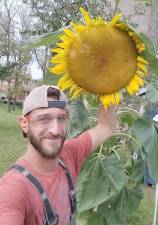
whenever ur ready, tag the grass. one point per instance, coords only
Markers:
(12, 143)
(12, 146)
(144, 214)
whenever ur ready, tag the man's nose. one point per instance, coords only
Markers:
(54, 127)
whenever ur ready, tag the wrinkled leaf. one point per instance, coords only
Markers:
(93, 100)
(99, 180)
(150, 53)
(147, 134)
(148, 43)
(120, 207)
(144, 130)
(152, 94)
(137, 171)
(79, 117)
(91, 218)
(127, 118)
(46, 39)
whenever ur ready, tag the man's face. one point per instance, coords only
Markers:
(47, 129)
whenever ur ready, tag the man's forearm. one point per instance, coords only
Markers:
(106, 125)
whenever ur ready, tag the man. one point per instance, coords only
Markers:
(49, 160)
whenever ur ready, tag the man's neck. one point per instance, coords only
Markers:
(38, 162)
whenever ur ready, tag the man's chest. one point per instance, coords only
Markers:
(57, 189)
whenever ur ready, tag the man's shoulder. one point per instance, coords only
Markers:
(13, 179)
(79, 139)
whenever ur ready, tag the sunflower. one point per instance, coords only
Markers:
(100, 57)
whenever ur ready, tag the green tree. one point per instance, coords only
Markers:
(11, 41)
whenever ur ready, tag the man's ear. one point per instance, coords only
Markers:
(23, 123)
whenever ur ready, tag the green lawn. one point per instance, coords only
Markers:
(12, 145)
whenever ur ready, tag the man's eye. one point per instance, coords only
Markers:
(43, 120)
(61, 119)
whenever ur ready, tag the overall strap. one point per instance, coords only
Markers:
(51, 217)
(72, 192)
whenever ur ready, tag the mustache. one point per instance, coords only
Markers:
(52, 136)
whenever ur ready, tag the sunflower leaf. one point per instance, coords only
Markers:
(148, 43)
(49, 38)
(147, 134)
(79, 117)
(120, 207)
(99, 179)
(149, 53)
(152, 94)
(93, 218)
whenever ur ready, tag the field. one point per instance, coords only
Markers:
(12, 143)
(12, 146)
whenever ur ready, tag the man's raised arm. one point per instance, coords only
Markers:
(105, 127)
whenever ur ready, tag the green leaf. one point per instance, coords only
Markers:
(137, 171)
(152, 159)
(92, 100)
(148, 43)
(144, 130)
(152, 94)
(127, 118)
(149, 53)
(99, 179)
(147, 133)
(95, 219)
(79, 117)
(46, 39)
(50, 78)
(120, 207)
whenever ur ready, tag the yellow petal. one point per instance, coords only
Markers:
(77, 93)
(129, 90)
(134, 86)
(69, 83)
(58, 59)
(57, 50)
(142, 67)
(120, 26)
(140, 73)
(112, 98)
(116, 19)
(59, 69)
(64, 38)
(62, 80)
(78, 28)
(117, 98)
(131, 33)
(100, 20)
(69, 33)
(142, 60)
(52, 71)
(73, 88)
(139, 80)
(108, 100)
(103, 99)
(86, 16)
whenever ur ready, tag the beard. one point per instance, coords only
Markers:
(47, 150)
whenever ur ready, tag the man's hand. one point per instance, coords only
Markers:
(107, 123)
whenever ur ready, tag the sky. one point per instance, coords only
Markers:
(35, 71)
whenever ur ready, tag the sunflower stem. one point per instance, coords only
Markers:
(128, 136)
(127, 109)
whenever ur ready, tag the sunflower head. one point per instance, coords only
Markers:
(100, 58)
